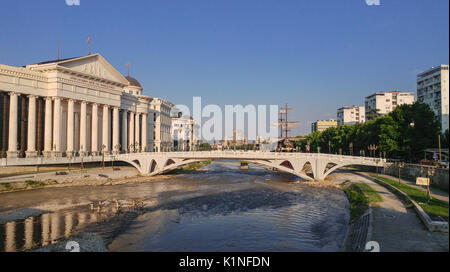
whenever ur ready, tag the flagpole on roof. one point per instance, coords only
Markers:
(58, 47)
(128, 66)
(89, 43)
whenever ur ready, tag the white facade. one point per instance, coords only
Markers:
(382, 103)
(72, 107)
(184, 133)
(351, 115)
(160, 109)
(432, 89)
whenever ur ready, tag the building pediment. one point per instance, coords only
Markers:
(94, 65)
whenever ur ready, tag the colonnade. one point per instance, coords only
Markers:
(56, 127)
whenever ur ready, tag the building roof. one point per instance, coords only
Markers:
(133, 81)
(52, 61)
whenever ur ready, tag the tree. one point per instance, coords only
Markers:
(405, 132)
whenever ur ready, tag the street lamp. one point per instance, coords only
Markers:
(377, 161)
(103, 156)
(82, 158)
(372, 149)
(400, 165)
(70, 161)
(431, 173)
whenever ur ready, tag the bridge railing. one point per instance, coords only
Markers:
(192, 154)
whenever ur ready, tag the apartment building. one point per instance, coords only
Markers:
(432, 89)
(382, 103)
(351, 115)
(323, 125)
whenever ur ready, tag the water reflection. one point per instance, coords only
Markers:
(45, 229)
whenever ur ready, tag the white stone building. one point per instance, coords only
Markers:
(72, 107)
(432, 89)
(160, 109)
(351, 115)
(184, 133)
(382, 103)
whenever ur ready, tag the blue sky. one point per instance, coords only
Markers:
(318, 55)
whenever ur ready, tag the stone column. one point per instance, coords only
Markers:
(13, 126)
(83, 128)
(115, 125)
(106, 128)
(4, 127)
(31, 149)
(48, 127)
(40, 125)
(125, 131)
(144, 133)
(95, 129)
(70, 128)
(57, 127)
(132, 132)
(137, 126)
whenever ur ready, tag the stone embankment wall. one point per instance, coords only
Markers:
(411, 171)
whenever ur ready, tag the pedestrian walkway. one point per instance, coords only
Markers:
(436, 192)
(396, 228)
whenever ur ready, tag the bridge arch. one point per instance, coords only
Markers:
(329, 171)
(282, 168)
(299, 164)
(135, 163)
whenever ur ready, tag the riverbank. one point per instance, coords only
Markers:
(393, 224)
(97, 176)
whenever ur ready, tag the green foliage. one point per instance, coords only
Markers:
(205, 147)
(358, 201)
(433, 207)
(371, 195)
(405, 133)
(189, 168)
(34, 184)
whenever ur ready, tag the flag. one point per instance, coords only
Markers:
(128, 65)
(88, 40)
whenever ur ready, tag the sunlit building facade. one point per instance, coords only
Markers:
(75, 107)
(432, 89)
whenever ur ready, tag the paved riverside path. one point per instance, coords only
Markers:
(436, 192)
(396, 228)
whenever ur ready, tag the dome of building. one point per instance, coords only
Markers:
(133, 81)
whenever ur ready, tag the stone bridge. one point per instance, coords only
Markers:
(295, 163)
(321, 165)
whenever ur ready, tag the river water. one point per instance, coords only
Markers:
(223, 209)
